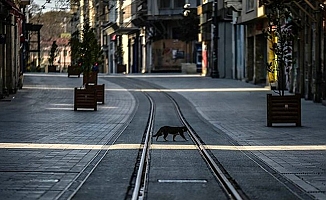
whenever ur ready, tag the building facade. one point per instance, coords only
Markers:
(306, 73)
(222, 39)
(12, 45)
(145, 36)
(141, 36)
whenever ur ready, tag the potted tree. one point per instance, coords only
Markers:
(74, 68)
(281, 32)
(53, 54)
(90, 52)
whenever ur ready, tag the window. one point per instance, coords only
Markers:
(165, 3)
(179, 3)
(105, 39)
(250, 5)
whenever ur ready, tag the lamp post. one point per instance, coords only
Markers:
(215, 73)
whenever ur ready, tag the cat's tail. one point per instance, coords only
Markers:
(156, 134)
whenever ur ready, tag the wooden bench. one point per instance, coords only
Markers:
(85, 98)
(100, 96)
(283, 109)
(74, 71)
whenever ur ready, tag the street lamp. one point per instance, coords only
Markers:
(215, 73)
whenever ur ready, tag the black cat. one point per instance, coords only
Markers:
(165, 130)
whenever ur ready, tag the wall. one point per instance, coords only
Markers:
(239, 72)
(168, 54)
(225, 49)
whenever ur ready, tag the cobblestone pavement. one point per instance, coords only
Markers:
(44, 143)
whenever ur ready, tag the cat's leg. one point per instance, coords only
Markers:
(183, 136)
(174, 135)
(157, 134)
(165, 135)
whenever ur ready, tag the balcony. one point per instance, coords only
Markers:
(139, 13)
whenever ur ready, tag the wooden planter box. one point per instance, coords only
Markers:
(99, 92)
(121, 68)
(85, 98)
(90, 78)
(283, 109)
(52, 68)
(74, 71)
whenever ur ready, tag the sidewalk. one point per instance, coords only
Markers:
(44, 144)
(239, 109)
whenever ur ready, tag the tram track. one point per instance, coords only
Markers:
(139, 179)
(227, 183)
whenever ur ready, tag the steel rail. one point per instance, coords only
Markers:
(227, 185)
(142, 172)
(145, 155)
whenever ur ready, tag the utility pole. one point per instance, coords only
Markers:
(215, 73)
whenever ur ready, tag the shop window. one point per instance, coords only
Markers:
(179, 3)
(165, 4)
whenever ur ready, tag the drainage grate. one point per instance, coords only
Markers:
(182, 181)
(304, 173)
(316, 192)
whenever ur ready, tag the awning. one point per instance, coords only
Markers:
(113, 28)
(126, 30)
(33, 27)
